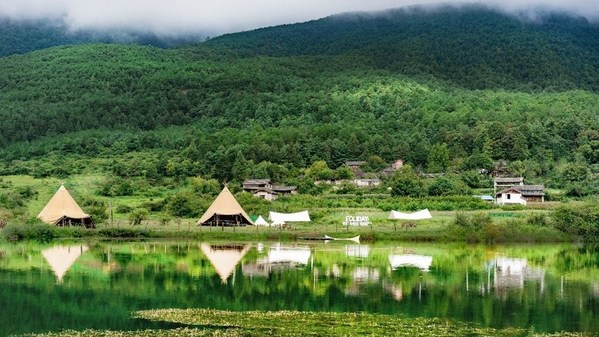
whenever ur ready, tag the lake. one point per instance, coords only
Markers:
(80, 285)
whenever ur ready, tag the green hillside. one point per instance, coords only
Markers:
(448, 90)
(471, 46)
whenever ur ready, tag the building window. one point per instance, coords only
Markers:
(509, 196)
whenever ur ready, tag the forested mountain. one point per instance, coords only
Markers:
(471, 46)
(445, 89)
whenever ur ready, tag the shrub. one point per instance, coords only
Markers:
(537, 219)
(36, 231)
(448, 186)
(474, 227)
(97, 209)
(164, 219)
(123, 209)
(137, 216)
(578, 220)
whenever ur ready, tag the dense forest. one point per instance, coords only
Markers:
(450, 90)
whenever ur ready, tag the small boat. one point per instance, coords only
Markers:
(355, 239)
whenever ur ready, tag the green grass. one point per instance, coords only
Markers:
(207, 322)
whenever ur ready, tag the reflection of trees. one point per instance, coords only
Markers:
(114, 279)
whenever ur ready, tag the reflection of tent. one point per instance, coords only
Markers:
(261, 222)
(282, 254)
(224, 258)
(62, 209)
(420, 215)
(61, 258)
(280, 218)
(225, 210)
(411, 260)
(279, 257)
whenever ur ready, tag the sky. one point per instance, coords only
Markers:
(177, 17)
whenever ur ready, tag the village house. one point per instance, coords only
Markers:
(367, 182)
(263, 188)
(501, 183)
(355, 164)
(396, 165)
(521, 194)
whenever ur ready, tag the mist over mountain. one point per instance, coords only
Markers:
(22, 36)
(471, 46)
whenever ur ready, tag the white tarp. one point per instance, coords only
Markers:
(261, 222)
(422, 262)
(420, 215)
(281, 218)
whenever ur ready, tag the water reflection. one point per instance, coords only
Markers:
(61, 258)
(421, 262)
(550, 287)
(278, 258)
(224, 258)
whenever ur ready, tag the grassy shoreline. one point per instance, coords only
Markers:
(443, 229)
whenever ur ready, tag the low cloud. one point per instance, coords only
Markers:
(172, 18)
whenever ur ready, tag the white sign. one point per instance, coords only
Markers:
(359, 220)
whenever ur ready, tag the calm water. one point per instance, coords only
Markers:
(78, 285)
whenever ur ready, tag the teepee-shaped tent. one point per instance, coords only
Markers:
(224, 258)
(225, 211)
(61, 258)
(62, 210)
(261, 222)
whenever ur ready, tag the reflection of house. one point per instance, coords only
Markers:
(521, 194)
(61, 258)
(224, 258)
(363, 274)
(263, 188)
(421, 262)
(360, 251)
(511, 273)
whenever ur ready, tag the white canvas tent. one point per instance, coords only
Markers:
(61, 258)
(261, 222)
(420, 215)
(281, 218)
(421, 262)
(225, 210)
(224, 259)
(62, 209)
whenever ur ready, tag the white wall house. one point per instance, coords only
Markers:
(510, 196)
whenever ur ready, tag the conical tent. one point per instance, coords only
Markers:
(61, 258)
(224, 259)
(63, 209)
(225, 210)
